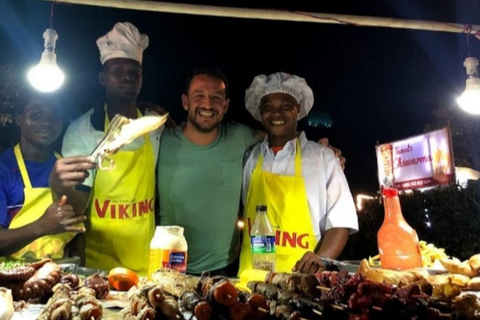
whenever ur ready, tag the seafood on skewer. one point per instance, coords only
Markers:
(122, 131)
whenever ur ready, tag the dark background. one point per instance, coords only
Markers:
(375, 84)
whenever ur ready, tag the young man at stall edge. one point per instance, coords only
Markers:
(31, 226)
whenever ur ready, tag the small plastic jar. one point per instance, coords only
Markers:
(168, 249)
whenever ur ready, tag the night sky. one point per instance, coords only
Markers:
(376, 84)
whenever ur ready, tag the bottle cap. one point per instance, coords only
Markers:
(390, 192)
(261, 207)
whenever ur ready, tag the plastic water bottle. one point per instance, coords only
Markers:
(262, 237)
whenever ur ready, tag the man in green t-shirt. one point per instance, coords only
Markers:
(199, 174)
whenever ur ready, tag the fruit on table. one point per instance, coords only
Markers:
(122, 279)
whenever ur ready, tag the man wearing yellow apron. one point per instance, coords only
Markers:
(308, 200)
(31, 226)
(121, 217)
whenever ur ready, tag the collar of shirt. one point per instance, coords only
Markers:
(289, 148)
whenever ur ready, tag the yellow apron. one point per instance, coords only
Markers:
(121, 219)
(287, 211)
(37, 200)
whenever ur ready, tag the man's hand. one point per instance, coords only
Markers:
(70, 172)
(58, 218)
(338, 152)
(152, 106)
(309, 263)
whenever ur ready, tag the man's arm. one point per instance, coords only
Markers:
(330, 247)
(341, 220)
(68, 173)
(338, 153)
(76, 248)
(333, 243)
(58, 218)
(152, 106)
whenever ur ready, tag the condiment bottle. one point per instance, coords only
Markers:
(262, 239)
(168, 249)
(398, 244)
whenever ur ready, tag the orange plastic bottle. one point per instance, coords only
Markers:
(397, 241)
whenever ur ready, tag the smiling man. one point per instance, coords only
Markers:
(120, 215)
(308, 200)
(200, 174)
(31, 223)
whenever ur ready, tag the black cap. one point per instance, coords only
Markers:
(261, 207)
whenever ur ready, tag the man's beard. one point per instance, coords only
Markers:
(204, 129)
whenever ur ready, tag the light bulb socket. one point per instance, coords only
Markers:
(471, 65)
(48, 58)
(51, 37)
(472, 83)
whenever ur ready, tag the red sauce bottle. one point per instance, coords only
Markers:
(397, 241)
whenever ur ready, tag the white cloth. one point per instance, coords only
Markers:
(123, 41)
(329, 198)
(81, 138)
(279, 82)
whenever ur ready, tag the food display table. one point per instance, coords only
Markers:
(369, 293)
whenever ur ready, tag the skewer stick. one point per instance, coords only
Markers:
(323, 288)
(336, 306)
(267, 311)
(418, 296)
(317, 312)
(469, 289)
(376, 308)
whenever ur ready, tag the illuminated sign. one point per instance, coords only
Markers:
(417, 162)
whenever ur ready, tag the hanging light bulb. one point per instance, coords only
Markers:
(46, 76)
(469, 101)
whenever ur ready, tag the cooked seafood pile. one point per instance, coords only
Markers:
(174, 296)
(368, 294)
(66, 304)
(32, 281)
(66, 296)
(381, 294)
(122, 131)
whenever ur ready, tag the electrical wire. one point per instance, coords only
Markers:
(468, 31)
(51, 13)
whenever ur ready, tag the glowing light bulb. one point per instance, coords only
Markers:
(469, 101)
(46, 76)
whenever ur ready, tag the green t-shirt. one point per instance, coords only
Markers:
(200, 189)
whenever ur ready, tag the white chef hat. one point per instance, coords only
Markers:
(279, 82)
(123, 41)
